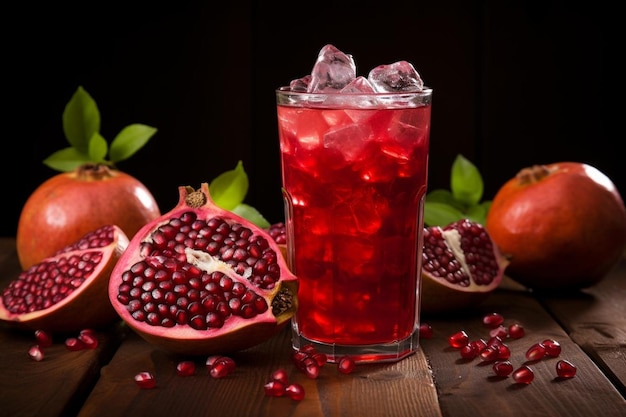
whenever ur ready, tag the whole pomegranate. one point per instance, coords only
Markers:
(70, 204)
(562, 225)
(201, 280)
(68, 291)
(461, 267)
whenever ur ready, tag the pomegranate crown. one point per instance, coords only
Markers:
(81, 126)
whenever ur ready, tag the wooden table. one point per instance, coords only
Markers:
(590, 326)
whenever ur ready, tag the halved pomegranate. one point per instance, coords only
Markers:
(68, 291)
(461, 267)
(200, 280)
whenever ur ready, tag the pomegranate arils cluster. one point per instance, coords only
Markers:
(496, 351)
(220, 366)
(86, 339)
(279, 386)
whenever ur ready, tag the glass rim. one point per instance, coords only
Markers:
(285, 90)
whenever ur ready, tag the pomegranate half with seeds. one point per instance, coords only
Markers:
(67, 292)
(461, 266)
(200, 280)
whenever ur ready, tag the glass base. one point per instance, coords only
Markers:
(377, 353)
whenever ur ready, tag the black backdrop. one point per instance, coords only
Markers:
(515, 83)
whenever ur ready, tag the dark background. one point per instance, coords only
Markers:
(515, 83)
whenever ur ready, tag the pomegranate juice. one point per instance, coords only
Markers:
(354, 182)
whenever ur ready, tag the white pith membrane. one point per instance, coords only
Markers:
(452, 238)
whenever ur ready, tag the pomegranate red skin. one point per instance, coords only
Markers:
(235, 335)
(562, 226)
(68, 205)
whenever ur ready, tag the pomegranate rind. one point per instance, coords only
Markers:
(438, 296)
(564, 229)
(87, 306)
(68, 205)
(237, 333)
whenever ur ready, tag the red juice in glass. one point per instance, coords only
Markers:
(354, 173)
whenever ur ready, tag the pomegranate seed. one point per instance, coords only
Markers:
(469, 351)
(346, 365)
(425, 331)
(565, 369)
(493, 320)
(490, 353)
(499, 331)
(88, 338)
(74, 344)
(504, 352)
(222, 367)
(35, 353)
(44, 339)
(553, 348)
(523, 375)
(295, 392)
(516, 331)
(494, 341)
(145, 380)
(458, 339)
(280, 375)
(502, 368)
(308, 348)
(274, 388)
(479, 345)
(310, 368)
(536, 352)
(186, 368)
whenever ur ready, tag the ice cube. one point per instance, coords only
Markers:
(348, 140)
(360, 85)
(333, 71)
(400, 76)
(300, 85)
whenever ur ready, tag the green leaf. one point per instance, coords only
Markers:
(477, 213)
(66, 160)
(440, 214)
(444, 197)
(251, 214)
(98, 148)
(466, 182)
(81, 119)
(229, 189)
(130, 140)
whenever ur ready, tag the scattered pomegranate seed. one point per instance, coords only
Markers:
(516, 331)
(221, 367)
(523, 375)
(553, 348)
(490, 353)
(35, 353)
(479, 345)
(502, 368)
(493, 320)
(306, 362)
(74, 344)
(458, 339)
(186, 368)
(280, 375)
(565, 369)
(320, 358)
(346, 365)
(469, 351)
(504, 352)
(89, 338)
(499, 331)
(274, 388)
(295, 392)
(44, 339)
(536, 352)
(425, 331)
(145, 380)
(494, 341)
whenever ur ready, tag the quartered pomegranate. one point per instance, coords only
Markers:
(67, 292)
(461, 266)
(201, 280)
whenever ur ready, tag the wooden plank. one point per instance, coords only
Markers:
(469, 387)
(401, 389)
(59, 384)
(595, 318)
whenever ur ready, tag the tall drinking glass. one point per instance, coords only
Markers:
(354, 174)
